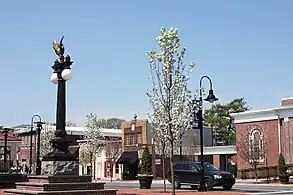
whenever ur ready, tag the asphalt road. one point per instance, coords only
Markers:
(252, 189)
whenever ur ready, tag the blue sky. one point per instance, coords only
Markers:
(246, 48)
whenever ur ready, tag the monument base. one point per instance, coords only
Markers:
(60, 185)
(60, 168)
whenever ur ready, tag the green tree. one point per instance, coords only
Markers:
(282, 165)
(110, 123)
(146, 162)
(218, 117)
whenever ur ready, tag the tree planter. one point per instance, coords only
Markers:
(145, 181)
(284, 178)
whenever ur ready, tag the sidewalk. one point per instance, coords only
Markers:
(131, 191)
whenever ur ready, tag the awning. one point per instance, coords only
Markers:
(128, 157)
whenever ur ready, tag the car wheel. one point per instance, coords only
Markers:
(177, 184)
(227, 187)
(194, 187)
(208, 184)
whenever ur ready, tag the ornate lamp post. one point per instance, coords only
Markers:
(199, 118)
(39, 164)
(31, 140)
(60, 153)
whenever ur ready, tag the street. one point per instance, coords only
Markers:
(252, 189)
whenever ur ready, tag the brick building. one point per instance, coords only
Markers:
(23, 132)
(137, 134)
(13, 144)
(271, 129)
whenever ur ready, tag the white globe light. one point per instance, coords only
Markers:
(66, 74)
(54, 78)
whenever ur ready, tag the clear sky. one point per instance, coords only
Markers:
(246, 47)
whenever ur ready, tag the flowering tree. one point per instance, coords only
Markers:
(252, 148)
(161, 142)
(46, 146)
(113, 150)
(192, 147)
(169, 96)
(93, 140)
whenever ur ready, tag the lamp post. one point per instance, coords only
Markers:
(61, 73)
(210, 98)
(5, 146)
(39, 164)
(31, 140)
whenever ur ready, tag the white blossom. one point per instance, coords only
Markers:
(93, 137)
(169, 96)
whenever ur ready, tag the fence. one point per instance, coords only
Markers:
(262, 172)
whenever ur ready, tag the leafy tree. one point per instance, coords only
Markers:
(113, 150)
(146, 162)
(71, 124)
(169, 96)
(94, 139)
(282, 165)
(252, 151)
(218, 117)
(110, 123)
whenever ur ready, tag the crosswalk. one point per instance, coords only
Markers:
(277, 192)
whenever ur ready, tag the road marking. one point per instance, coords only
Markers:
(278, 192)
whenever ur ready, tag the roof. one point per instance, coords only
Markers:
(9, 138)
(72, 130)
(262, 115)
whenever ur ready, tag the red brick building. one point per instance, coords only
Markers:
(271, 128)
(23, 133)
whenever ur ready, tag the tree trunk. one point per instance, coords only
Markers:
(111, 173)
(172, 167)
(94, 168)
(255, 172)
(164, 173)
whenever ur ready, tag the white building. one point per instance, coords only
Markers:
(101, 166)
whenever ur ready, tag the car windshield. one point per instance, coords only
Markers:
(209, 167)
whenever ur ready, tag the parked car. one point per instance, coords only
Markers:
(189, 173)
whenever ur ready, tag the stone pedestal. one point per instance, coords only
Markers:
(60, 168)
(60, 185)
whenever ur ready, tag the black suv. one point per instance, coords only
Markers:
(188, 173)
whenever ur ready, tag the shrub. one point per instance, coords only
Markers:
(282, 165)
(146, 162)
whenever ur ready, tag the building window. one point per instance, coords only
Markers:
(256, 145)
(139, 138)
(130, 140)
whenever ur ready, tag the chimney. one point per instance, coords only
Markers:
(287, 101)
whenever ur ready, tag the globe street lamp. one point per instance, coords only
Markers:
(62, 73)
(31, 140)
(39, 164)
(199, 115)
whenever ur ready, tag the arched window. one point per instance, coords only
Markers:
(256, 145)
